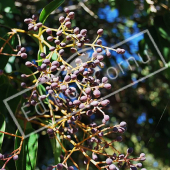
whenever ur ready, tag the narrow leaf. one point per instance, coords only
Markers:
(56, 149)
(2, 128)
(48, 9)
(28, 156)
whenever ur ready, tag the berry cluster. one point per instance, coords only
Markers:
(73, 94)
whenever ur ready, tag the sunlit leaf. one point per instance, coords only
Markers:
(48, 9)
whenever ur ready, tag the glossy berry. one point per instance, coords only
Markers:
(96, 93)
(34, 17)
(15, 157)
(70, 168)
(50, 38)
(115, 129)
(55, 63)
(123, 124)
(139, 165)
(59, 33)
(112, 167)
(23, 55)
(28, 64)
(61, 19)
(107, 86)
(23, 84)
(52, 48)
(99, 42)
(39, 24)
(106, 117)
(71, 15)
(66, 10)
(49, 31)
(100, 32)
(53, 68)
(129, 150)
(57, 42)
(23, 50)
(59, 166)
(94, 157)
(43, 55)
(46, 61)
(68, 24)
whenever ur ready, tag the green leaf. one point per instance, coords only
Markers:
(2, 128)
(48, 9)
(54, 56)
(42, 91)
(28, 156)
(56, 149)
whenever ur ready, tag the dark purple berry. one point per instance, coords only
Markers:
(70, 168)
(66, 10)
(139, 165)
(100, 57)
(49, 31)
(43, 67)
(107, 86)
(76, 30)
(55, 63)
(59, 166)
(61, 52)
(106, 117)
(61, 19)
(34, 17)
(53, 68)
(109, 161)
(57, 42)
(23, 55)
(99, 42)
(23, 84)
(119, 138)
(50, 38)
(52, 48)
(59, 33)
(35, 28)
(115, 129)
(28, 64)
(83, 32)
(39, 24)
(43, 55)
(100, 32)
(68, 24)
(15, 157)
(123, 124)
(71, 15)
(96, 93)
(112, 167)
(94, 157)
(46, 61)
